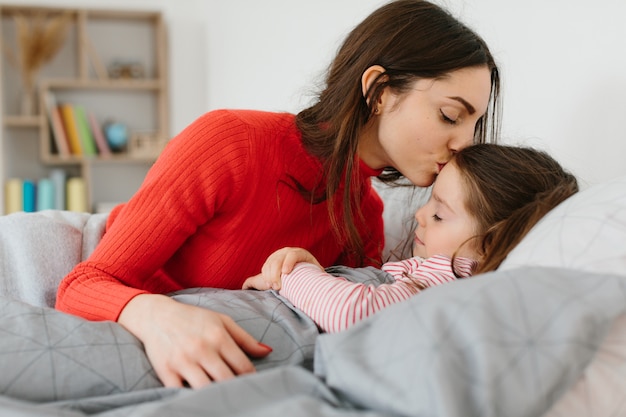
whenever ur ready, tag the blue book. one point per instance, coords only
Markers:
(45, 194)
(58, 177)
(29, 195)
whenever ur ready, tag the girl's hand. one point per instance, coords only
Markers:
(187, 344)
(280, 262)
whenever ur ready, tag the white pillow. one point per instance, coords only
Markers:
(401, 203)
(586, 232)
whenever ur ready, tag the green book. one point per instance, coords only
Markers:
(84, 132)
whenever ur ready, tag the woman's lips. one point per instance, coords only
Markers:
(440, 167)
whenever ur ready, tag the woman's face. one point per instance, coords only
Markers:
(443, 224)
(418, 132)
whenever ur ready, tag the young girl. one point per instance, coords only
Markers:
(482, 204)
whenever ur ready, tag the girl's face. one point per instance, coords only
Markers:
(444, 222)
(418, 132)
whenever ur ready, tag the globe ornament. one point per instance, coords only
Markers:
(116, 135)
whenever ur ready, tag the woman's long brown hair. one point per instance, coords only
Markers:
(410, 39)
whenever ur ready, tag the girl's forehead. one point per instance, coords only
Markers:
(449, 188)
(448, 176)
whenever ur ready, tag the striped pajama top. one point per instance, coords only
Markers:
(335, 303)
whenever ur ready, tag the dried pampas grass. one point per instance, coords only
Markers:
(39, 38)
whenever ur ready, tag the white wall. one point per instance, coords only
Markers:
(563, 63)
(564, 69)
(563, 66)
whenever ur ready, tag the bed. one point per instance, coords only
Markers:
(545, 335)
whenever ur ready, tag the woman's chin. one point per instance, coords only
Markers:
(422, 179)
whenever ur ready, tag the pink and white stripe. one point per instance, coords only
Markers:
(335, 303)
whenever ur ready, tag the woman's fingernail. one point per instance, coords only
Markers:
(266, 346)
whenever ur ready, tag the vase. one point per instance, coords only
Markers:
(28, 102)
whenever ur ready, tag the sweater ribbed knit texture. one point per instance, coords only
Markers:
(218, 201)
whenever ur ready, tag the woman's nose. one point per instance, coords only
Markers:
(461, 140)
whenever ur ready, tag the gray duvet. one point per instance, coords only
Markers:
(507, 343)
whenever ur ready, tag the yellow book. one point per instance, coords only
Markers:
(13, 197)
(76, 194)
(71, 129)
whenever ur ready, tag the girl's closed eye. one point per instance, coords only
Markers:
(437, 218)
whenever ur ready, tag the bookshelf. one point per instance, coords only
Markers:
(113, 64)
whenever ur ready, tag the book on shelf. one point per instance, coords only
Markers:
(56, 125)
(71, 128)
(13, 196)
(98, 134)
(54, 192)
(45, 195)
(58, 178)
(21, 194)
(84, 131)
(29, 195)
(76, 193)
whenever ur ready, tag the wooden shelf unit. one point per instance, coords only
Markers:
(80, 74)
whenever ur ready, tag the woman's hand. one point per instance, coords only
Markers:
(189, 344)
(280, 262)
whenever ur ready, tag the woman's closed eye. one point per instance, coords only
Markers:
(448, 118)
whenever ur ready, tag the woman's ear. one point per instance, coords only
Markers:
(368, 79)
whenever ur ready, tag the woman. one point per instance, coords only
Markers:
(409, 87)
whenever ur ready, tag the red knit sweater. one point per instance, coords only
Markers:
(218, 201)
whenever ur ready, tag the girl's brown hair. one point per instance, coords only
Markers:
(509, 189)
(410, 39)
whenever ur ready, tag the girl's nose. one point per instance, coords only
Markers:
(419, 216)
